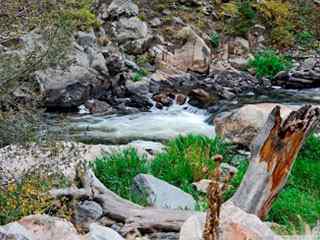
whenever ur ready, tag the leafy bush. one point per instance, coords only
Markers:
(215, 39)
(138, 75)
(29, 195)
(267, 63)
(243, 17)
(17, 128)
(305, 38)
(282, 19)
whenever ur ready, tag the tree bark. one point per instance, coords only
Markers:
(273, 154)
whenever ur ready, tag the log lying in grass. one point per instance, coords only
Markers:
(133, 216)
(273, 154)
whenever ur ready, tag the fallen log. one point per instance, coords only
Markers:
(133, 216)
(274, 151)
(147, 220)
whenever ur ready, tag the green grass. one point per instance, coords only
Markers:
(268, 64)
(215, 39)
(187, 157)
(118, 170)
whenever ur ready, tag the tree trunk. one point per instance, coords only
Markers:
(273, 154)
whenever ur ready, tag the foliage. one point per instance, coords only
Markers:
(268, 63)
(189, 159)
(282, 19)
(215, 39)
(145, 59)
(305, 38)
(243, 17)
(138, 75)
(29, 195)
(17, 128)
(118, 170)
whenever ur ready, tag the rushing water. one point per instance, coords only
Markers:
(159, 125)
(156, 125)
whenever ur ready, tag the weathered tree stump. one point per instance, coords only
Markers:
(273, 154)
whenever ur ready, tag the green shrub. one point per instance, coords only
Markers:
(215, 39)
(242, 17)
(138, 75)
(305, 38)
(267, 63)
(29, 196)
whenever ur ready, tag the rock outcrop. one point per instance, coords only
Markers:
(194, 55)
(86, 77)
(206, 90)
(306, 75)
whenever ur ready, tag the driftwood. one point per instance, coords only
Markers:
(133, 216)
(273, 154)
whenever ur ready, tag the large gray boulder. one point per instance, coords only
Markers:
(242, 125)
(194, 55)
(74, 78)
(161, 194)
(119, 8)
(129, 29)
(66, 88)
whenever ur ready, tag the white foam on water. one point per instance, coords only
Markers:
(156, 125)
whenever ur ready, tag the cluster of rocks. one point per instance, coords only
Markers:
(305, 75)
(102, 63)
